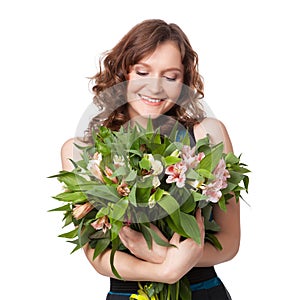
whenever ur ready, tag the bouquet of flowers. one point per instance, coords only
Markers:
(137, 176)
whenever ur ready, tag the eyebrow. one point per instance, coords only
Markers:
(165, 70)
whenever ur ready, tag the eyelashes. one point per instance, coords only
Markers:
(143, 74)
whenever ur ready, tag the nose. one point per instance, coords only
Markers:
(155, 85)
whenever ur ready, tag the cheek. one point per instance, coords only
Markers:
(173, 90)
(134, 86)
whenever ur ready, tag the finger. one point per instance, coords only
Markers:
(123, 239)
(124, 231)
(175, 239)
(200, 221)
(199, 218)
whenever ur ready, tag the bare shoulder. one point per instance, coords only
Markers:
(70, 151)
(216, 130)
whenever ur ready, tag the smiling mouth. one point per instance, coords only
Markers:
(151, 100)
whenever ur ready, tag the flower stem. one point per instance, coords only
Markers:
(177, 290)
(169, 292)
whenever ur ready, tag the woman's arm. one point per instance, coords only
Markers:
(229, 221)
(129, 266)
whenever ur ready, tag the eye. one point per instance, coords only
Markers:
(142, 73)
(170, 78)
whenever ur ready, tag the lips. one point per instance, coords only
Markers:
(150, 100)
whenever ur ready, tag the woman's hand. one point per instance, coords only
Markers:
(135, 242)
(180, 259)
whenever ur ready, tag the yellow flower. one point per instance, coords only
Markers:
(141, 296)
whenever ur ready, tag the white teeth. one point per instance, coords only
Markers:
(151, 99)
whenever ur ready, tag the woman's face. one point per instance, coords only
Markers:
(154, 83)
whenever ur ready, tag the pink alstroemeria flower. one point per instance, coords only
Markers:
(189, 158)
(123, 189)
(176, 174)
(81, 210)
(108, 172)
(213, 189)
(101, 223)
(222, 173)
(95, 170)
(93, 166)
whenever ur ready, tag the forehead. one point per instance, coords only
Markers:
(166, 55)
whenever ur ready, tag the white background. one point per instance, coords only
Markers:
(249, 58)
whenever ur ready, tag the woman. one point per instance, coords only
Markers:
(156, 61)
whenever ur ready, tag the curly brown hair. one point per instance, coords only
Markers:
(110, 82)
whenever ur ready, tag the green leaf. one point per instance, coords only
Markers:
(210, 161)
(68, 218)
(74, 197)
(147, 235)
(131, 176)
(184, 289)
(115, 245)
(84, 233)
(207, 212)
(235, 177)
(145, 164)
(170, 149)
(222, 203)
(192, 174)
(102, 148)
(202, 142)
(190, 226)
(70, 235)
(103, 211)
(158, 240)
(143, 194)
(137, 152)
(169, 204)
(174, 132)
(118, 209)
(173, 222)
(105, 192)
(69, 178)
(246, 183)
(66, 207)
(121, 171)
(189, 205)
(132, 195)
(150, 126)
(156, 138)
(186, 139)
(211, 225)
(116, 226)
(211, 238)
(205, 173)
(198, 196)
(158, 194)
(230, 158)
(77, 246)
(101, 245)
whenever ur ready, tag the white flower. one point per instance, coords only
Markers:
(156, 169)
(97, 158)
(151, 201)
(156, 165)
(155, 181)
(119, 160)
